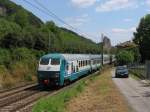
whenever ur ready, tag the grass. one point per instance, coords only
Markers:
(19, 73)
(58, 102)
(100, 95)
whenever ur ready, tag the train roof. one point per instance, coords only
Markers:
(72, 56)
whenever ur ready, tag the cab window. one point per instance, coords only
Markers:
(44, 61)
(55, 61)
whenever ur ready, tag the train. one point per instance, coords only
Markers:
(57, 69)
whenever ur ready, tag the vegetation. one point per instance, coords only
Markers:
(124, 57)
(142, 37)
(24, 38)
(137, 73)
(57, 103)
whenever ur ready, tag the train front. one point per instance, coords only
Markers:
(49, 71)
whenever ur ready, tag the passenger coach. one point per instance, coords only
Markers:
(57, 69)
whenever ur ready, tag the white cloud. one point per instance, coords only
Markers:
(127, 20)
(78, 21)
(121, 30)
(148, 2)
(83, 3)
(114, 5)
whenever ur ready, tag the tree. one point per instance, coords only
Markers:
(142, 37)
(124, 57)
(11, 40)
(21, 18)
(8, 27)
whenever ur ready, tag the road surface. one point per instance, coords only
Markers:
(136, 92)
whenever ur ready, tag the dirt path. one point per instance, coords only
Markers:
(136, 92)
(100, 96)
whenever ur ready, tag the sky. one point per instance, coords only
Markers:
(116, 19)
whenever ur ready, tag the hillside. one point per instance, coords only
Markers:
(24, 38)
(14, 18)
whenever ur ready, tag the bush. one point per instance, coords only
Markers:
(21, 54)
(5, 57)
(125, 57)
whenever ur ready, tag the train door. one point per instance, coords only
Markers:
(68, 68)
(62, 71)
(90, 62)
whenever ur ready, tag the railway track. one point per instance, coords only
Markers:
(22, 100)
(9, 92)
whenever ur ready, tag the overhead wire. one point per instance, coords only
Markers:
(53, 15)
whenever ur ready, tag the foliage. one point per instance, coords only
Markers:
(57, 103)
(5, 57)
(142, 37)
(124, 57)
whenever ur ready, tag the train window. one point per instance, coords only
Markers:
(79, 63)
(44, 61)
(83, 63)
(77, 68)
(55, 61)
(72, 67)
(67, 67)
(86, 62)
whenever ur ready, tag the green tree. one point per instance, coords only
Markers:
(21, 17)
(8, 27)
(124, 57)
(5, 57)
(142, 37)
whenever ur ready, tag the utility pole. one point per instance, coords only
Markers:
(49, 41)
(102, 52)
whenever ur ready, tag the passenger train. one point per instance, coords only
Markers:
(57, 69)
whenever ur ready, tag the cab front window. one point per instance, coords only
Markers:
(55, 61)
(44, 61)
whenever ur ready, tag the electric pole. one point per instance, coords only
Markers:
(49, 41)
(102, 47)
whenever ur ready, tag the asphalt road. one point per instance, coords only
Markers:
(137, 93)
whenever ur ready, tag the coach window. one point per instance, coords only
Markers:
(67, 67)
(77, 68)
(83, 63)
(79, 63)
(72, 67)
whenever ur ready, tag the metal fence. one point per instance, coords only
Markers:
(140, 70)
(148, 70)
